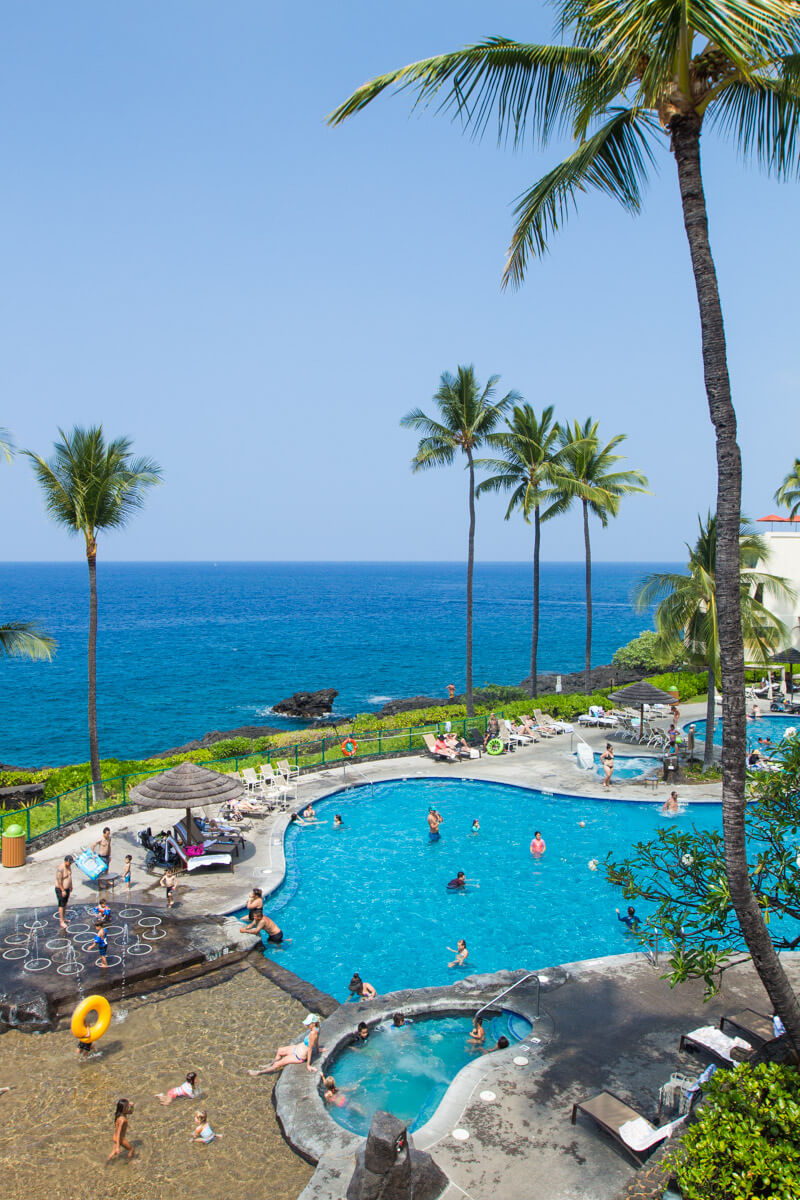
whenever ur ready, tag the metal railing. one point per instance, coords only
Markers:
(499, 996)
(78, 803)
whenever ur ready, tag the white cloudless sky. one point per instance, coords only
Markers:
(194, 258)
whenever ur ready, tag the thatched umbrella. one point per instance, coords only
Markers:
(787, 658)
(187, 786)
(639, 694)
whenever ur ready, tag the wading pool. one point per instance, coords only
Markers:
(628, 766)
(372, 896)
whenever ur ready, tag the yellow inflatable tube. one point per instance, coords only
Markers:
(90, 1033)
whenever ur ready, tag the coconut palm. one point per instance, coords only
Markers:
(90, 485)
(22, 639)
(600, 489)
(687, 610)
(789, 491)
(635, 80)
(530, 468)
(466, 416)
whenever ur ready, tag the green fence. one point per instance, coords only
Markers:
(84, 801)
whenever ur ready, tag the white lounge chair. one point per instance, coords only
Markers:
(191, 862)
(544, 718)
(515, 738)
(251, 780)
(717, 1044)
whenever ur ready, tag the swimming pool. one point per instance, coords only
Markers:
(372, 896)
(627, 766)
(407, 1071)
(773, 727)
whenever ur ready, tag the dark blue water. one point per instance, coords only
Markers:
(189, 647)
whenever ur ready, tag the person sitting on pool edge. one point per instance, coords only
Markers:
(359, 988)
(294, 1055)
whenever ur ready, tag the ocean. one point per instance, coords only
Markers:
(184, 648)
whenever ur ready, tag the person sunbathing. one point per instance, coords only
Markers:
(294, 1055)
(441, 748)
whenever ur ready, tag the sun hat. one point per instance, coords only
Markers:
(311, 1019)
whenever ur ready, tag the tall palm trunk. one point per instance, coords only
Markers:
(708, 752)
(94, 752)
(470, 569)
(537, 538)
(685, 131)
(587, 545)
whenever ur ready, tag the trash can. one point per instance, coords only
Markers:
(13, 846)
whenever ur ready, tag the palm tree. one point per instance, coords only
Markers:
(466, 416)
(600, 490)
(639, 77)
(687, 608)
(789, 491)
(530, 468)
(22, 639)
(90, 485)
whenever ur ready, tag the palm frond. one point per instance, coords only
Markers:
(788, 493)
(613, 161)
(762, 118)
(525, 84)
(7, 446)
(24, 639)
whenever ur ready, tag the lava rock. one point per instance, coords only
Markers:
(307, 705)
(389, 1168)
(210, 739)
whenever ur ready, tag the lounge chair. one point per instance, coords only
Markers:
(271, 783)
(536, 727)
(251, 780)
(430, 743)
(718, 1045)
(625, 1125)
(211, 843)
(553, 723)
(191, 862)
(754, 1026)
(514, 737)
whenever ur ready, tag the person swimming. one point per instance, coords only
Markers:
(435, 820)
(476, 826)
(460, 952)
(337, 821)
(459, 882)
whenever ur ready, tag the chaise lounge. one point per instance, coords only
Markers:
(625, 1125)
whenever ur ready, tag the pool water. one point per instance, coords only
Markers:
(372, 896)
(773, 727)
(406, 1071)
(628, 766)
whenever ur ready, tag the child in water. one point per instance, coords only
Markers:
(101, 942)
(476, 826)
(202, 1130)
(123, 1111)
(186, 1088)
(126, 874)
(169, 881)
(332, 1094)
(460, 952)
(478, 1035)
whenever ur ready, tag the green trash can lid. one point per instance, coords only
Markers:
(13, 831)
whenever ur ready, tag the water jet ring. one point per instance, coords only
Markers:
(349, 747)
(138, 948)
(70, 968)
(34, 924)
(128, 914)
(149, 922)
(113, 960)
(17, 953)
(16, 939)
(37, 964)
(494, 746)
(90, 1033)
(57, 943)
(78, 927)
(154, 935)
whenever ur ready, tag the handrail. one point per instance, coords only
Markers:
(499, 996)
(357, 771)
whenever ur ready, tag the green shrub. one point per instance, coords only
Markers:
(641, 655)
(688, 683)
(745, 1144)
(493, 694)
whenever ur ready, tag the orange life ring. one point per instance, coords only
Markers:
(349, 747)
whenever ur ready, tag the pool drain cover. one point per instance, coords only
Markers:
(488, 1097)
(460, 1135)
(520, 1061)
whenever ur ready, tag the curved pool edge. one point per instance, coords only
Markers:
(306, 1123)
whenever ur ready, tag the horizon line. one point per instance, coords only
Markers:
(337, 562)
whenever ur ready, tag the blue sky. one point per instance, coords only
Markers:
(192, 257)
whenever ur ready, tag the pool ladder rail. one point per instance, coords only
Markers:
(357, 771)
(505, 992)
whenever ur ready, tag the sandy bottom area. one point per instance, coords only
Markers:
(56, 1124)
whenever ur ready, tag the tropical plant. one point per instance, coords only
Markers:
(22, 639)
(745, 1144)
(687, 608)
(90, 485)
(646, 653)
(635, 77)
(466, 416)
(530, 469)
(600, 488)
(788, 493)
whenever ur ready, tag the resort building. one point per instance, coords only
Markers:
(782, 535)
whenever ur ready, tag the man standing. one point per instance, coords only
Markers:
(102, 848)
(63, 888)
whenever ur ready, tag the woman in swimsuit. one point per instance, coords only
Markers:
(292, 1056)
(460, 952)
(255, 911)
(607, 759)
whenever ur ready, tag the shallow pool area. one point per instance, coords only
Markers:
(627, 766)
(772, 726)
(372, 895)
(407, 1070)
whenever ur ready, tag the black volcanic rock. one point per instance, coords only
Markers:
(307, 705)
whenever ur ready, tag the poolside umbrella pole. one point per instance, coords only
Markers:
(186, 786)
(639, 694)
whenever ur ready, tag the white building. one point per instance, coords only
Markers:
(782, 536)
